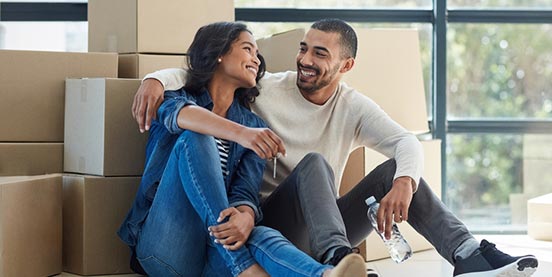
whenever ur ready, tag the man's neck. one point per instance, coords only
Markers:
(321, 96)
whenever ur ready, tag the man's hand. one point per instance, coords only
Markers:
(394, 206)
(147, 100)
(263, 141)
(234, 233)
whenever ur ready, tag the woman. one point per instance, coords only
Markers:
(197, 178)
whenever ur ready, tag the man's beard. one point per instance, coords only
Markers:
(319, 83)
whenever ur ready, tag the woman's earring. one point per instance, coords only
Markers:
(219, 60)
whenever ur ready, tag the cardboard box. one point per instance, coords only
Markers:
(30, 225)
(30, 158)
(539, 218)
(141, 26)
(139, 65)
(32, 89)
(93, 210)
(280, 50)
(361, 162)
(101, 137)
(388, 69)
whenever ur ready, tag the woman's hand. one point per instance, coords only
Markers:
(263, 141)
(234, 233)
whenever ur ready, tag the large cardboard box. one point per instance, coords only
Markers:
(101, 137)
(280, 50)
(388, 69)
(93, 210)
(361, 162)
(32, 89)
(30, 225)
(30, 158)
(139, 65)
(539, 217)
(143, 26)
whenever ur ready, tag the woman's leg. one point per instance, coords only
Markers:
(189, 199)
(279, 257)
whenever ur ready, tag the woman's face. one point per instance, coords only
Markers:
(240, 63)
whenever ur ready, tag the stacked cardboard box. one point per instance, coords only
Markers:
(150, 35)
(31, 145)
(539, 219)
(104, 157)
(31, 110)
(30, 225)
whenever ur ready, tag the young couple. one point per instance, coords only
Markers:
(321, 120)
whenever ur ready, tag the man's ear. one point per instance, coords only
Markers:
(349, 63)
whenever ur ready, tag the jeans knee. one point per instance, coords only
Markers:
(191, 141)
(261, 234)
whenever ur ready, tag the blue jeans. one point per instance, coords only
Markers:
(174, 240)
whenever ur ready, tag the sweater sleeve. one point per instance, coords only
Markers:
(171, 78)
(378, 131)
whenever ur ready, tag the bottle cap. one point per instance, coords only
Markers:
(370, 200)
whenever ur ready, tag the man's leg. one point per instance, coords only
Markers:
(432, 219)
(303, 208)
(427, 214)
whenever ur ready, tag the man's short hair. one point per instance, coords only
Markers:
(348, 37)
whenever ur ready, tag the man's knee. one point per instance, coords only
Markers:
(314, 161)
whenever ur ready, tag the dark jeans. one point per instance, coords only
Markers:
(306, 210)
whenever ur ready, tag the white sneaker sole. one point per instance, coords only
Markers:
(352, 265)
(523, 267)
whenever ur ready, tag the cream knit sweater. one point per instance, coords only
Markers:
(346, 121)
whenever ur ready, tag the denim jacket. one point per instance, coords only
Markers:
(245, 167)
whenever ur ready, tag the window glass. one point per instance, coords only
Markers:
(340, 4)
(508, 4)
(499, 71)
(262, 29)
(44, 36)
(498, 173)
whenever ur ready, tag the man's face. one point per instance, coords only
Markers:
(318, 61)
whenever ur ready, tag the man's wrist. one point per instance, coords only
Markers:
(406, 180)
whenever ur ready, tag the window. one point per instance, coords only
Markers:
(333, 4)
(501, 70)
(44, 36)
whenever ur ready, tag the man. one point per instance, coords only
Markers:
(313, 112)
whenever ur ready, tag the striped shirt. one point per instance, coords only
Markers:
(223, 147)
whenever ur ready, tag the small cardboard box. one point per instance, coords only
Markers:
(361, 162)
(93, 210)
(539, 217)
(388, 69)
(30, 225)
(137, 66)
(280, 50)
(101, 137)
(30, 158)
(141, 26)
(32, 89)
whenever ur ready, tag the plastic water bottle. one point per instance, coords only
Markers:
(397, 246)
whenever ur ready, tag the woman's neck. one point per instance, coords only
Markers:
(222, 94)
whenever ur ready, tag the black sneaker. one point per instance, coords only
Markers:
(343, 251)
(489, 261)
